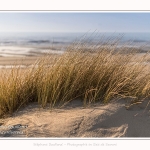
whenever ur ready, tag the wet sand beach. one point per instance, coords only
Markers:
(4, 61)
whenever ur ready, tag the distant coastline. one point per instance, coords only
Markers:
(32, 44)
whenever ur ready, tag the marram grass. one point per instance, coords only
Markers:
(98, 74)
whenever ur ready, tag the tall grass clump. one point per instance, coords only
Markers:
(99, 73)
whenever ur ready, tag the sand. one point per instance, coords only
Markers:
(74, 120)
(17, 60)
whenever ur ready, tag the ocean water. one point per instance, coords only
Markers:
(31, 44)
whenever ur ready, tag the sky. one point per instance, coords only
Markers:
(74, 22)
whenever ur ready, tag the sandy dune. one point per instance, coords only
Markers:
(73, 120)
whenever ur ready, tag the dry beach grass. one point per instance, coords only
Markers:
(100, 74)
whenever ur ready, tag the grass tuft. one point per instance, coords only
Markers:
(99, 73)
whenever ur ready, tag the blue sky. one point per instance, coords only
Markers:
(74, 22)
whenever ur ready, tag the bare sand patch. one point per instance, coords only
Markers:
(73, 120)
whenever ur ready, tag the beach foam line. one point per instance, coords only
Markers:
(17, 66)
(12, 66)
(8, 51)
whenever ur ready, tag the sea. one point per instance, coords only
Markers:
(32, 44)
